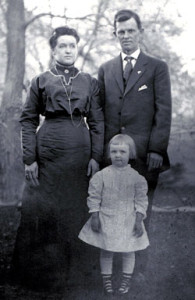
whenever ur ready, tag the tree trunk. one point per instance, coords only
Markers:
(11, 168)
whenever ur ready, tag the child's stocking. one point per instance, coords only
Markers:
(106, 261)
(128, 261)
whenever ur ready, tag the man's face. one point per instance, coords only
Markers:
(128, 35)
(66, 50)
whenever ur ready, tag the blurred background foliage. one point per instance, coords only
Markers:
(20, 61)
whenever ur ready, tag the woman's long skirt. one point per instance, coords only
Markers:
(47, 245)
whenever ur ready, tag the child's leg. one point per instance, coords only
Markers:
(106, 262)
(128, 261)
(128, 264)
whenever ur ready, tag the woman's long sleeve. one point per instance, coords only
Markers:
(95, 121)
(95, 192)
(30, 121)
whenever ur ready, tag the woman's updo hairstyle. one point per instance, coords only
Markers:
(63, 30)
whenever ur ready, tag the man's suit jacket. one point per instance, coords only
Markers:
(143, 109)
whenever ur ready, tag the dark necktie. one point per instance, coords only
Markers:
(128, 68)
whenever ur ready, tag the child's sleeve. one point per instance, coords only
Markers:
(141, 198)
(95, 192)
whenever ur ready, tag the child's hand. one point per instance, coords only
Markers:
(95, 222)
(138, 230)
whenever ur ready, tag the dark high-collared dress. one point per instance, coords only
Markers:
(72, 133)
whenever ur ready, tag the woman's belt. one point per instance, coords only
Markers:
(63, 115)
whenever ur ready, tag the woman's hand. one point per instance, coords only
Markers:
(95, 222)
(138, 229)
(93, 167)
(31, 173)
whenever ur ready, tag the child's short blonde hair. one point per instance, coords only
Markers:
(126, 139)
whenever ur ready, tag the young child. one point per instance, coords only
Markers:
(117, 202)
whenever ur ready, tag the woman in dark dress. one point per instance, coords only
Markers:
(59, 157)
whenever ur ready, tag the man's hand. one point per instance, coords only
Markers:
(93, 167)
(95, 222)
(31, 173)
(154, 161)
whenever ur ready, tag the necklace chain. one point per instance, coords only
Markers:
(69, 95)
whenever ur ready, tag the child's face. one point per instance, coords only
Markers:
(119, 155)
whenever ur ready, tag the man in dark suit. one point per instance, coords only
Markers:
(136, 96)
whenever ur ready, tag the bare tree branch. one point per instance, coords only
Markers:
(100, 12)
(159, 11)
(57, 16)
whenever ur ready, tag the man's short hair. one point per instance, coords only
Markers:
(126, 14)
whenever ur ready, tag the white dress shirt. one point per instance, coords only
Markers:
(134, 56)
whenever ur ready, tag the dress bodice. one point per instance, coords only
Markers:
(50, 97)
(48, 93)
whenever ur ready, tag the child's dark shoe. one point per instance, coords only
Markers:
(125, 284)
(107, 284)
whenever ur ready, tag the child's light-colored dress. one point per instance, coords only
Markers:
(117, 193)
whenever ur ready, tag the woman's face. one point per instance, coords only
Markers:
(66, 50)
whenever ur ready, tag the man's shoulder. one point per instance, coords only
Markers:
(153, 59)
(110, 62)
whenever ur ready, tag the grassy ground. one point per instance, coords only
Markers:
(170, 273)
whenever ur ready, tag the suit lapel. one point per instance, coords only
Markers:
(118, 73)
(137, 72)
